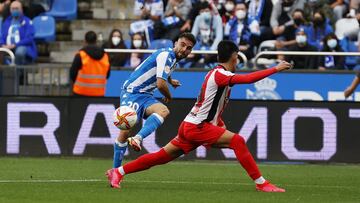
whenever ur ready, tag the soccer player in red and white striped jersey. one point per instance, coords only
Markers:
(204, 126)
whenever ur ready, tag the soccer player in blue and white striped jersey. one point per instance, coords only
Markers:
(137, 92)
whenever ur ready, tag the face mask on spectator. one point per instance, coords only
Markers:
(240, 14)
(298, 21)
(300, 39)
(137, 43)
(229, 7)
(206, 16)
(116, 40)
(332, 43)
(15, 13)
(287, 8)
(318, 21)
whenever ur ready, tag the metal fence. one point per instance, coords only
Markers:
(43, 79)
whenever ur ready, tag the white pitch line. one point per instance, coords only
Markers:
(167, 182)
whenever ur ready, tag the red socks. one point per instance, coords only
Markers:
(147, 161)
(244, 157)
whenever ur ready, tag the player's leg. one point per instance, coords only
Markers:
(163, 156)
(156, 113)
(243, 155)
(120, 147)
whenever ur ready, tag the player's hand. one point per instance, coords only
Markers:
(283, 65)
(175, 83)
(167, 100)
(348, 92)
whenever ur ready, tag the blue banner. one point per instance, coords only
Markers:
(281, 86)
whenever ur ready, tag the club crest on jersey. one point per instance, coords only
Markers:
(265, 89)
(167, 69)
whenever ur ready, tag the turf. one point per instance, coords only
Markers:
(82, 180)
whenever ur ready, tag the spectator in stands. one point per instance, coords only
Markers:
(319, 28)
(90, 69)
(288, 37)
(137, 42)
(207, 28)
(175, 16)
(311, 6)
(18, 35)
(208, 31)
(116, 41)
(237, 30)
(36, 7)
(331, 44)
(281, 14)
(149, 9)
(302, 62)
(259, 14)
(228, 10)
(195, 11)
(148, 12)
(338, 7)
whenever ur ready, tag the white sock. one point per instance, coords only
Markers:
(124, 144)
(121, 170)
(139, 137)
(260, 180)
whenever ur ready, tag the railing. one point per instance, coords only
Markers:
(149, 51)
(11, 54)
(46, 79)
(303, 53)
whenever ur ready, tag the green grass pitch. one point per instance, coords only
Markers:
(82, 180)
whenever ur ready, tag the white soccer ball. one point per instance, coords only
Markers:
(125, 117)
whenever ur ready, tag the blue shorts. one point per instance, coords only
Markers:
(139, 102)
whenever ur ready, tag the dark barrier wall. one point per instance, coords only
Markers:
(275, 130)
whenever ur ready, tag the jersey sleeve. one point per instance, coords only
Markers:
(163, 64)
(223, 77)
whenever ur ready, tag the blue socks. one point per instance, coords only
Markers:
(150, 125)
(119, 151)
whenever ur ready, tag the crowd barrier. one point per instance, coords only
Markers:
(274, 130)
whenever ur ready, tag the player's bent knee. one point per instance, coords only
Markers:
(164, 112)
(236, 141)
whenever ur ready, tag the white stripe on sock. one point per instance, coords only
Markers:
(121, 170)
(161, 119)
(260, 180)
(121, 144)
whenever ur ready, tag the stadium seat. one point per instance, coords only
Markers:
(268, 45)
(45, 28)
(345, 25)
(127, 43)
(63, 9)
(161, 43)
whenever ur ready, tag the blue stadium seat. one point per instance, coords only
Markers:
(127, 43)
(161, 43)
(63, 9)
(45, 28)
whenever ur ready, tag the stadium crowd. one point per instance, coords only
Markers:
(254, 25)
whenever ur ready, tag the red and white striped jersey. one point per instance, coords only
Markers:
(213, 98)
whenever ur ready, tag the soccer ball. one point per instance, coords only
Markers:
(125, 117)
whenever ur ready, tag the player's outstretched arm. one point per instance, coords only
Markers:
(164, 89)
(349, 90)
(258, 75)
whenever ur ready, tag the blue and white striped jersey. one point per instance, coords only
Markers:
(160, 64)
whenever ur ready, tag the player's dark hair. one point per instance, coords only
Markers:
(188, 36)
(225, 50)
(90, 37)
